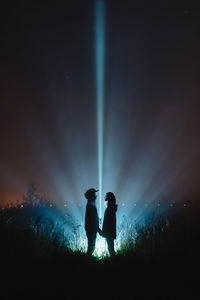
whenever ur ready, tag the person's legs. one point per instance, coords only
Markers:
(111, 249)
(91, 244)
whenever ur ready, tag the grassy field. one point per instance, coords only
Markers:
(160, 264)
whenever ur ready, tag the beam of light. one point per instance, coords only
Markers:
(100, 60)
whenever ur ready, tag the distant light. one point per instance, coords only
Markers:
(22, 205)
(171, 204)
(158, 204)
(123, 204)
(134, 204)
(65, 205)
(184, 204)
(50, 205)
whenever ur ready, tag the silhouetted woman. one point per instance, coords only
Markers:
(109, 222)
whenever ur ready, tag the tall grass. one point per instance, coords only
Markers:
(178, 235)
(31, 229)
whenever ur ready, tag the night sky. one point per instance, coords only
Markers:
(152, 99)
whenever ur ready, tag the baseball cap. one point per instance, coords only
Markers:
(90, 193)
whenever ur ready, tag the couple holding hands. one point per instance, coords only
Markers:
(92, 221)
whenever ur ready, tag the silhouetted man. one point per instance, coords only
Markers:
(91, 220)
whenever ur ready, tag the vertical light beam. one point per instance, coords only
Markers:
(100, 57)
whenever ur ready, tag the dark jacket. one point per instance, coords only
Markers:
(91, 219)
(109, 222)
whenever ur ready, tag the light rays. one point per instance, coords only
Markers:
(100, 64)
(134, 152)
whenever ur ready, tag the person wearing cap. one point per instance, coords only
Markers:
(109, 222)
(91, 220)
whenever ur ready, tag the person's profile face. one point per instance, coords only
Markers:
(106, 200)
(94, 197)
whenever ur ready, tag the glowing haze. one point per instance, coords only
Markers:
(115, 110)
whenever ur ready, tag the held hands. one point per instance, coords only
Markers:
(100, 232)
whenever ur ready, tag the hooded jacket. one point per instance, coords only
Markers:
(109, 222)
